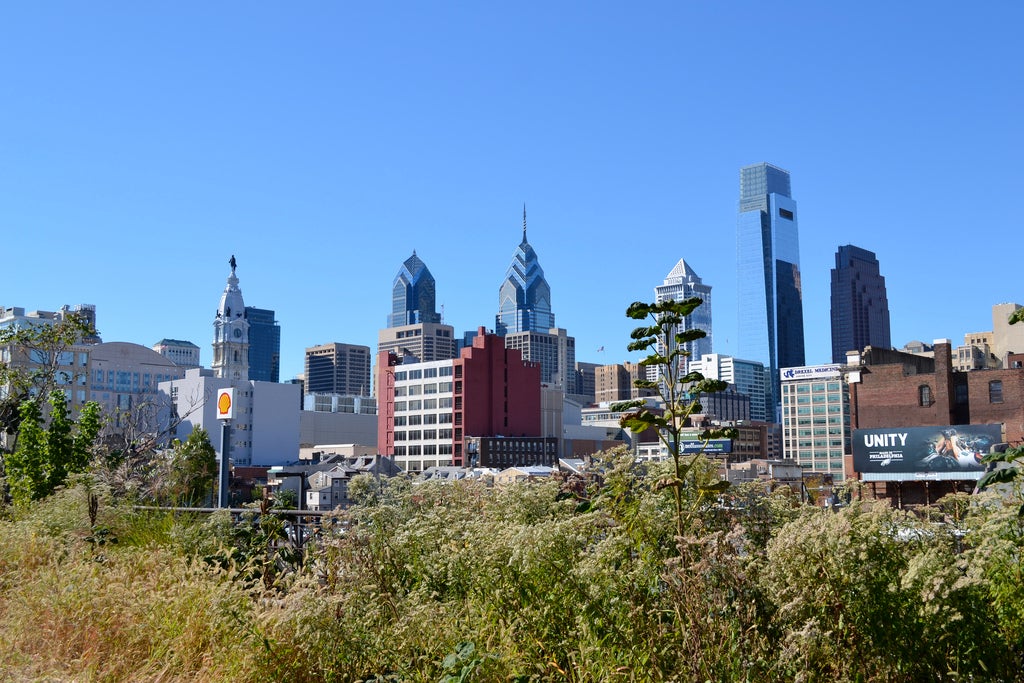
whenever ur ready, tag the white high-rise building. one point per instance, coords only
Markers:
(747, 376)
(680, 284)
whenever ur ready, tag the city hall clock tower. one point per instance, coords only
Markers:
(231, 332)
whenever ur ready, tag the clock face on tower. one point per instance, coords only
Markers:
(238, 333)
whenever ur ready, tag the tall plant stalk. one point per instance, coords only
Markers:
(665, 340)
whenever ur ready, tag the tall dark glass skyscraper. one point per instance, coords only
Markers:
(771, 316)
(860, 308)
(264, 345)
(412, 295)
(524, 298)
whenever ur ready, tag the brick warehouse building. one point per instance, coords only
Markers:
(893, 389)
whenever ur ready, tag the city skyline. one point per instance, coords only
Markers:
(145, 146)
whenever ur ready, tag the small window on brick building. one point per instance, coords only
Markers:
(995, 391)
(924, 395)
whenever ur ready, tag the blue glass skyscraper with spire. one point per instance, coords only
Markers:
(524, 298)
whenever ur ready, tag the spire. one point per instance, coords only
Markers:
(524, 222)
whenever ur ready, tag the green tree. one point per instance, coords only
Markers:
(678, 391)
(26, 466)
(194, 469)
(45, 457)
(37, 355)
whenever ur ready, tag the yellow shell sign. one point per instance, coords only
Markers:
(225, 404)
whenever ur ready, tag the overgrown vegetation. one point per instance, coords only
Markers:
(463, 581)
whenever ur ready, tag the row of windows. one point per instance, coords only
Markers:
(423, 373)
(814, 387)
(423, 404)
(428, 449)
(423, 435)
(815, 410)
(414, 420)
(419, 389)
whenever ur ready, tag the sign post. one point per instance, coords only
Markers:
(225, 411)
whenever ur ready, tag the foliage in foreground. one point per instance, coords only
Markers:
(569, 580)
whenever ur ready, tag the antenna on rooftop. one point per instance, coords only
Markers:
(442, 314)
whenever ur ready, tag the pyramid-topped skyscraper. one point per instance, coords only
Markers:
(524, 298)
(680, 284)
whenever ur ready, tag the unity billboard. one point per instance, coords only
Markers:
(913, 450)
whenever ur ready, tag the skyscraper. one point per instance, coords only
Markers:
(264, 345)
(414, 326)
(524, 298)
(860, 308)
(412, 295)
(680, 284)
(769, 293)
(231, 332)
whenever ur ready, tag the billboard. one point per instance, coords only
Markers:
(916, 450)
(715, 446)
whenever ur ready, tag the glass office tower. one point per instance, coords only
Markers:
(264, 345)
(769, 294)
(860, 307)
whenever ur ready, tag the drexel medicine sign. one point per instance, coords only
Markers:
(811, 372)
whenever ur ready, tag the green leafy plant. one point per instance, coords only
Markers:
(679, 391)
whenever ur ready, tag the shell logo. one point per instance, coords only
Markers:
(225, 404)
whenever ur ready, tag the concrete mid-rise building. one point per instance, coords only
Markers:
(747, 376)
(336, 368)
(64, 367)
(554, 351)
(816, 418)
(1006, 338)
(124, 380)
(182, 353)
(265, 429)
(615, 382)
(425, 342)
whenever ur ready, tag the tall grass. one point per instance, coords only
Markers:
(542, 582)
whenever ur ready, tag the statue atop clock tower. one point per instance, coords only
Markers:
(231, 332)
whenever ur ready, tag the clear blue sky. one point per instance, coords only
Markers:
(141, 144)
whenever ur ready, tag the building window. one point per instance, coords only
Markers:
(995, 391)
(924, 395)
